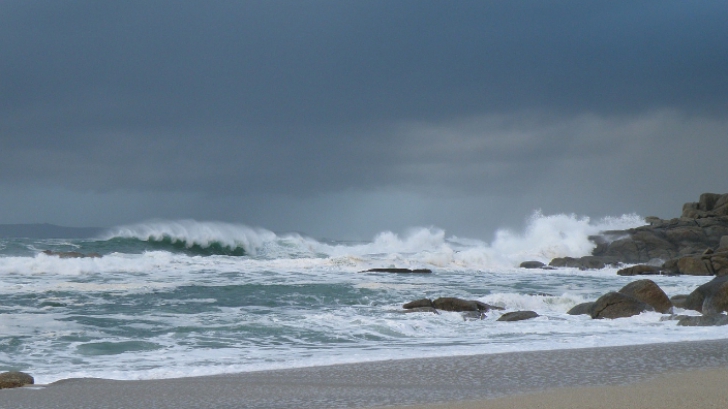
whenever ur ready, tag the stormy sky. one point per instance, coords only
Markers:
(341, 119)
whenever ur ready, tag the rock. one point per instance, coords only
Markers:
(584, 263)
(695, 300)
(694, 266)
(649, 293)
(518, 316)
(709, 205)
(617, 305)
(667, 239)
(679, 300)
(460, 305)
(532, 264)
(421, 309)
(581, 309)
(703, 320)
(719, 263)
(398, 270)
(717, 301)
(15, 379)
(423, 303)
(723, 244)
(640, 269)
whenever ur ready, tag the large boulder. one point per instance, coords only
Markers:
(617, 305)
(696, 299)
(649, 293)
(518, 316)
(15, 379)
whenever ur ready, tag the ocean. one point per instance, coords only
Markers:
(187, 298)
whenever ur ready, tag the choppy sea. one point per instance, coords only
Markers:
(188, 298)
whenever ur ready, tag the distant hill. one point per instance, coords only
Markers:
(47, 231)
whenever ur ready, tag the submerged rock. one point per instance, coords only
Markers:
(518, 316)
(398, 270)
(15, 379)
(711, 320)
(460, 305)
(421, 309)
(423, 303)
(584, 263)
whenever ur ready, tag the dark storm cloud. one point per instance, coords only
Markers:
(231, 98)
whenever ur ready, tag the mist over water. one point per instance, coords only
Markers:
(182, 298)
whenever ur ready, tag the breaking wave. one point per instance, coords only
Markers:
(545, 237)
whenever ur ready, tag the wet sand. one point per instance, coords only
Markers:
(685, 374)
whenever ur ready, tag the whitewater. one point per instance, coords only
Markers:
(186, 298)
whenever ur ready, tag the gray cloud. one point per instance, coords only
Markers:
(309, 116)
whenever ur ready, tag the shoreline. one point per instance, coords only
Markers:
(433, 383)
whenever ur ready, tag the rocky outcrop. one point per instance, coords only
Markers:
(679, 243)
(709, 205)
(617, 305)
(518, 316)
(15, 379)
(649, 293)
(665, 240)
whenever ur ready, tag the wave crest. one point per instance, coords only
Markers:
(203, 238)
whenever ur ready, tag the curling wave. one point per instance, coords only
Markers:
(193, 237)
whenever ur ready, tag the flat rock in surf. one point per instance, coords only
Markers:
(398, 270)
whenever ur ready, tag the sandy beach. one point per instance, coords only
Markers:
(689, 389)
(668, 375)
